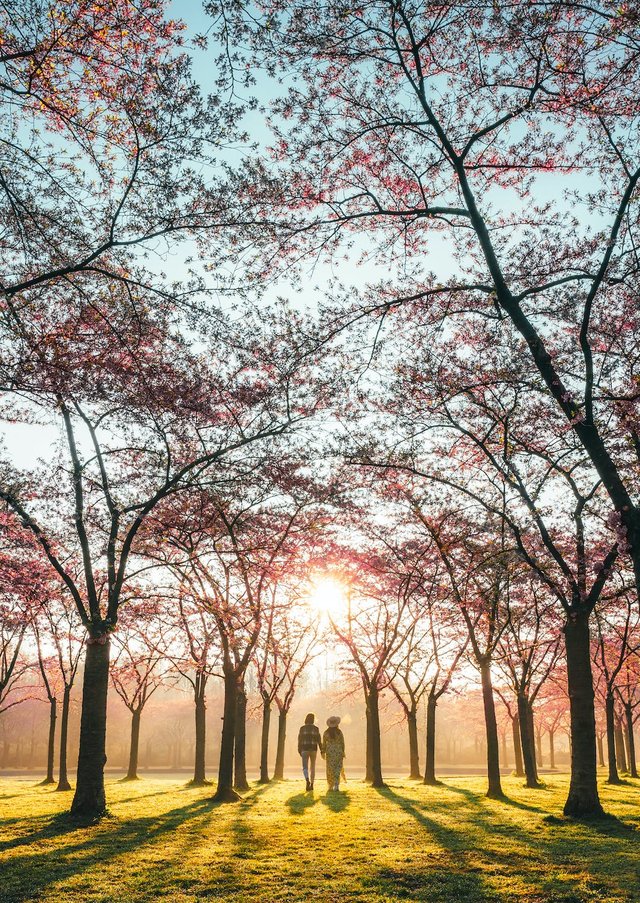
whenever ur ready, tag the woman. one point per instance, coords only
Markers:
(333, 749)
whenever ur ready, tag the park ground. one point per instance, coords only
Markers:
(443, 844)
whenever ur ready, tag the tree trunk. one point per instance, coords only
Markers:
(264, 741)
(224, 791)
(368, 756)
(517, 746)
(631, 743)
(132, 769)
(240, 751)
(199, 764)
(63, 778)
(89, 800)
(278, 772)
(504, 753)
(527, 741)
(583, 799)
(614, 777)
(552, 749)
(430, 760)
(51, 742)
(600, 752)
(414, 756)
(376, 757)
(539, 756)
(620, 750)
(494, 790)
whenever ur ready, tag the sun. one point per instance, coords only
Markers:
(328, 597)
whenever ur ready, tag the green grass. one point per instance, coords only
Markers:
(408, 842)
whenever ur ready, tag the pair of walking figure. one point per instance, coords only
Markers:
(330, 746)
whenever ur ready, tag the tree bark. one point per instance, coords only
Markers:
(89, 800)
(631, 743)
(224, 791)
(583, 799)
(600, 752)
(552, 749)
(63, 777)
(527, 741)
(240, 750)
(264, 741)
(376, 757)
(430, 760)
(368, 759)
(517, 746)
(414, 755)
(494, 790)
(614, 777)
(51, 741)
(199, 764)
(621, 755)
(132, 770)
(278, 773)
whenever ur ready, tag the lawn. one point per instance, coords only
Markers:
(407, 842)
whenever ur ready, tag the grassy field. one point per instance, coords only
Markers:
(407, 842)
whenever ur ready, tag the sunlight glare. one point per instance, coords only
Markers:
(328, 597)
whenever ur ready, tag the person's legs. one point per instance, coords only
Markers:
(312, 767)
(305, 766)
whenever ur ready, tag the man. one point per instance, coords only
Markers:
(309, 742)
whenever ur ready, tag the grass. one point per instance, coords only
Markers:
(408, 842)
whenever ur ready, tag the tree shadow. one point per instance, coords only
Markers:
(299, 803)
(336, 800)
(30, 874)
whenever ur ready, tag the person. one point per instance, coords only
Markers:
(333, 748)
(309, 743)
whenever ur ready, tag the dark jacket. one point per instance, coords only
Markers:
(309, 739)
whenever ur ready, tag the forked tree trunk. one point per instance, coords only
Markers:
(621, 754)
(264, 741)
(583, 799)
(527, 741)
(89, 800)
(278, 773)
(414, 755)
(631, 743)
(51, 741)
(430, 760)
(132, 770)
(240, 751)
(517, 746)
(614, 777)
(224, 791)
(63, 777)
(200, 713)
(376, 757)
(494, 790)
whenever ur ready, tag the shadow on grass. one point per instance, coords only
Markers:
(299, 803)
(30, 874)
(436, 885)
(336, 800)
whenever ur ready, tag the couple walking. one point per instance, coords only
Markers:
(331, 746)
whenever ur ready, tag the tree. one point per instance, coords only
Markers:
(373, 138)
(616, 624)
(137, 668)
(103, 133)
(57, 627)
(140, 423)
(232, 547)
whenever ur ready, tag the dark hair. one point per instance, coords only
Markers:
(310, 718)
(333, 731)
